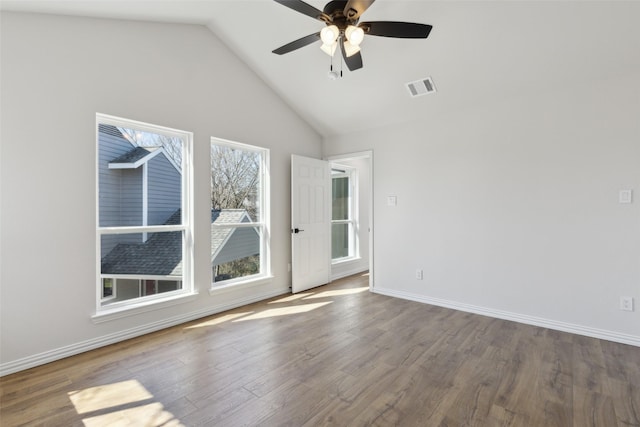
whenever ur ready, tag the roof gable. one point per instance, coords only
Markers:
(219, 235)
(135, 158)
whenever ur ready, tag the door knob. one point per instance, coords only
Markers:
(296, 230)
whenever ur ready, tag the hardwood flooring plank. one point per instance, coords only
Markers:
(423, 396)
(354, 395)
(626, 401)
(278, 400)
(589, 370)
(592, 408)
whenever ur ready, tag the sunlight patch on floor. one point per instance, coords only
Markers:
(120, 404)
(284, 311)
(107, 396)
(338, 292)
(152, 414)
(290, 298)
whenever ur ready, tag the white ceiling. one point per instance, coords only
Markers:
(479, 51)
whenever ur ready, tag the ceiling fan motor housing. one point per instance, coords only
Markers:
(335, 11)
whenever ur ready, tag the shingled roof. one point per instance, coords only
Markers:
(160, 255)
(132, 156)
(110, 129)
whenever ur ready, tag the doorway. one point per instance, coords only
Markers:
(355, 172)
(314, 261)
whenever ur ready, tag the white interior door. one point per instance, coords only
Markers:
(310, 223)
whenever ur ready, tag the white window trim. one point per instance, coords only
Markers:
(151, 302)
(143, 306)
(145, 200)
(263, 223)
(240, 282)
(113, 291)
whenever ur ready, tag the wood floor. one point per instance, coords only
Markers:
(336, 355)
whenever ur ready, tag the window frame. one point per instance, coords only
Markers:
(262, 223)
(186, 226)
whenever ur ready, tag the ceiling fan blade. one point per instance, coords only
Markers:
(302, 7)
(403, 30)
(354, 62)
(355, 8)
(297, 44)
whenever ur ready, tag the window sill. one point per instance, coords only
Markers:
(345, 260)
(108, 314)
(240, 284)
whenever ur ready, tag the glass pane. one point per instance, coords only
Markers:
(149, 254)
(134, 166)
(107, 288)
(125, 289)
(235, 252)
(148, 287)
(235, 181)
(340, 198)
(340, 236)
(128, 289)
(168, 286)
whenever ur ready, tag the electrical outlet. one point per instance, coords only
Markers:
(419, 274)
(626, 303)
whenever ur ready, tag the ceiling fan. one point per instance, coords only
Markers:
(342, 28)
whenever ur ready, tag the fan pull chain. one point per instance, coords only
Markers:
(332, 74)
(341, 56)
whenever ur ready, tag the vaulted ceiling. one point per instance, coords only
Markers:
(479, 51)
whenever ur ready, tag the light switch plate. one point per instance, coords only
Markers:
(625, 196)
(392, 200)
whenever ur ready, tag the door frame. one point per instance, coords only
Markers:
(367, 154)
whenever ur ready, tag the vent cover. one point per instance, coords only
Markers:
(421, 87)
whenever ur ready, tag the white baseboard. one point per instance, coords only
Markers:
(348, 272)
(81, 347)
(516, 317)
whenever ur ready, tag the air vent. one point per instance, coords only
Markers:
(421, 87)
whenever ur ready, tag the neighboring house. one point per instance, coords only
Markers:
(138, 185)
(142, 186)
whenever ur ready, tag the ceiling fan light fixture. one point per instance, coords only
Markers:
(350, 49)
(329, 49)
(329, 34)
(354, 34)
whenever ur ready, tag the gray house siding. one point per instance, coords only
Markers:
(120, 189)
(242, 243)
(126, 207)
(110, 147)
(130, 197)
(164, 190)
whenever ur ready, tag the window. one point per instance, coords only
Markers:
(143, 213)
(343, 224)
(239, 212)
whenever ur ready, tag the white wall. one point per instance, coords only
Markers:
(57, 72)
(511, 208)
